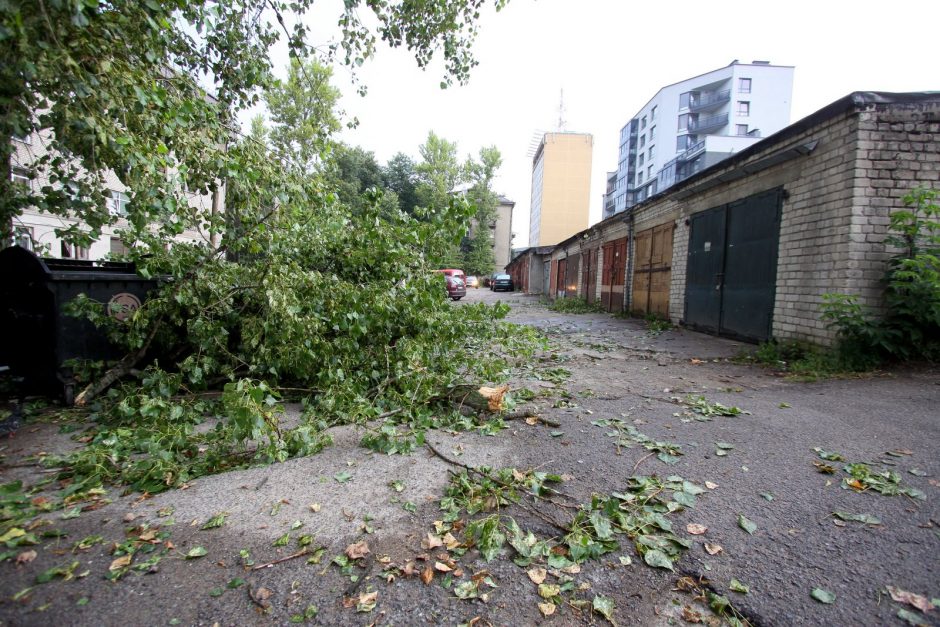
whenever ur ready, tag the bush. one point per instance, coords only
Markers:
(910, 328)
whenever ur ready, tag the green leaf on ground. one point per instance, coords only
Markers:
(911, 618)
(235, 583)
(828, 455)
(726, 446)
(396, 485)
(823, 596)
(409, 507)
(196, 551)
(868, 519)
(216, 521)
(283, 540)
(737, 586)
(604, 606)
(557, 434)
(343, 477)
(657, 559)
(917, 472)
(746, 524)
(767, 495)
(216, 592)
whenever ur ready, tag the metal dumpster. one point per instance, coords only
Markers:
(39, 337)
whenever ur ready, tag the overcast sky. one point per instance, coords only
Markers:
(611, 56)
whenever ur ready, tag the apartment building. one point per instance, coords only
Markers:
(561, 187)
(36, 230)
(695, 123)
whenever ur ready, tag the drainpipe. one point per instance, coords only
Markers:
(628, 279)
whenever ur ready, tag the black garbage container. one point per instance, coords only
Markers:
(39, 336)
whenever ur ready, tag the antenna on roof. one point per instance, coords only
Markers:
(561, 111)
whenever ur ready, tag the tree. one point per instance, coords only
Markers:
(399, 176)
(478, 248)
(352, 171)
(136, 109)
(303, 113)
(439, 171)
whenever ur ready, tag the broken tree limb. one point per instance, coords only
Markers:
(283, 559)
(122, 369)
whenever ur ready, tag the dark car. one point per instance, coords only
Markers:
(502, 283)
(455, 287)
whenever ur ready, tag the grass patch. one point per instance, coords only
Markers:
(802, 361)
(575, 306)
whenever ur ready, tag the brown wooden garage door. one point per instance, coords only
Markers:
(652, 273)
(614, 272)
(589, 275)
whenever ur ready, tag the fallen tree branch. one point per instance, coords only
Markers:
(283, 559)
(642, 459)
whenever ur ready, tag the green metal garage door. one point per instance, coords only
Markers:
(732, 267)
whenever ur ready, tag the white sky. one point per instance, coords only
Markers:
(611, 56)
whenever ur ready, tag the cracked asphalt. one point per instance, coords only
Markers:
(888, 420)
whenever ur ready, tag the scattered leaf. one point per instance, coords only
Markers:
(547, 609)
(784, 405)
(216, 521)
(823, 596)
(431, 542)
(625, 560)
(343, 477)
(427, 575)
(917, 472)
(216, 592)
(314, 507)
(25, 557)
(725, 446)
(357, 550)
(868, 519)
(604, 606)
(767, 495)
(537, 574)
(916, 600)
(235, 583)
(737, 586)
(746, 524)
(283, 540)
(657, 559)
(557, 434)
(829, 456)
(696, 529)
(122, 562)
(710, 485)
(713, 549)
(549, 590)
(826, 469)
(367, 601)
(196, 551)
(911, 618)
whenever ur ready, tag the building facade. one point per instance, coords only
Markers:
(502, 234)
(693, 124)
(37, 231)
(561, 187)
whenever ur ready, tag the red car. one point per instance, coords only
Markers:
(455, 287)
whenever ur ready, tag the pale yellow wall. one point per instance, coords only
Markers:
(566, 186)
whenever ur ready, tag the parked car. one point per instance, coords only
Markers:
(453, 272)
(502, 282)
(472, 281)
(455, 287)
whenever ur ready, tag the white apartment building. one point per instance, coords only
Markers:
(692, 124)
(35, 230)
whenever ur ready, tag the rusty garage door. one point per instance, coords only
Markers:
(732, 267)
(571, 278)
(612, 277)
(561, 278)
(589, 275)
(652, 274)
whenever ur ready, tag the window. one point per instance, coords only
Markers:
(740, 129)
(640, 160)
(649, 172)
(639, 178)
(684, 100)
(653, 113)
(682, 142)
(652, 133)
(23, 237)
(117, 203)
(643, 123)
(71, 251)
(744, 85)
(642, 141)
(651, 154)
(118, 247)
(684, 122)
(744, 108)
(20, 176)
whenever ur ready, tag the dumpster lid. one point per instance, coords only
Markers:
(25, 264)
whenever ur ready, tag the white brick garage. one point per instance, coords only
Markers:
(839, 173)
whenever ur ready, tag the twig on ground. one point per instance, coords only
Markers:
(283, 559)
(642, 459)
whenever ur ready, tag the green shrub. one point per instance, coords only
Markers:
(656, 324)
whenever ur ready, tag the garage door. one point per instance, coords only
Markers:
(732, 267)
(613, 275)
(652, 275)
(589, 275)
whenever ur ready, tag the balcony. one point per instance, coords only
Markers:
(711, 123)
(709, 100)
(692, 151)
